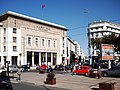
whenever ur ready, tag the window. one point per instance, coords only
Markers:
(29, 41)
(63, 51)
(43, 42)
(63, 45)
(63, 39)
(4, 48)
(4, 39)
(14, 39)
(4, 30)
(36, 41)
(54, 44)
(14, 30)
(14, 48)
(49, 43)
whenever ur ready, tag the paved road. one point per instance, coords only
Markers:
(30, 86)
(67, 81)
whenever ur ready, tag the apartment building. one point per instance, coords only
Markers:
(30, 40)
(98, 30)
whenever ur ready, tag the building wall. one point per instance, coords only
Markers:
(25, 29)
(100, 29)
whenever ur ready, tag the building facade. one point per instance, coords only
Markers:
(26, 39)
(98, 30)
(74, 51)
(70, 51)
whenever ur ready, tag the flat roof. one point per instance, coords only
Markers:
(35, 19)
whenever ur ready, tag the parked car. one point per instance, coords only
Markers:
(13, 68)
(114, 71)
(25, 68)
(83, 70)
(2, 72)
(38, 67)
(62, 67)
(59, 67)
(44, 67)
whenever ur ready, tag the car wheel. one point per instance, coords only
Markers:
(11, 71)
(74, 73)
(105, 74)
(86, 74)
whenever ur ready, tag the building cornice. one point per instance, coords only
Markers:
(34, 19)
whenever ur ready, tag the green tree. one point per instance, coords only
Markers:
(108, 39)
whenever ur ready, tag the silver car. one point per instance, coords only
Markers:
(13, 68)
(114, 71)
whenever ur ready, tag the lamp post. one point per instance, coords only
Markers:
(89, 37)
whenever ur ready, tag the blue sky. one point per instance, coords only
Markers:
(69, 13)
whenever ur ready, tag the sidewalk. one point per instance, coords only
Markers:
(71, 82)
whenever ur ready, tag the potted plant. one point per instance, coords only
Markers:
(50, 78)
(106, 86)
(41, 71)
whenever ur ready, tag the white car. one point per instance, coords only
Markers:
(2, 71)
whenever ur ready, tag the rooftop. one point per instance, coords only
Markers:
(34, 19)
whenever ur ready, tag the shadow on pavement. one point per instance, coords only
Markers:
(95, 89)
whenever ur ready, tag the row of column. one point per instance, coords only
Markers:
(41, 58)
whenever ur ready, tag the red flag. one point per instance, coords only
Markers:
(43, 5)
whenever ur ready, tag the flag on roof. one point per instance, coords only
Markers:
(43, 5)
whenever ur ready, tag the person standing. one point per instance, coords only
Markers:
(99, 74)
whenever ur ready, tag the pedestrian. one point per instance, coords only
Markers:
(72, 68)
(50, 69)
(99, 74)
(19, 74)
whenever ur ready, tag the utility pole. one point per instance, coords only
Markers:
(89, 37)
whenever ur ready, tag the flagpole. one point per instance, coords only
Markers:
(43, 6)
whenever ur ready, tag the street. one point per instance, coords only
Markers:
(30, 86)
(64, 81)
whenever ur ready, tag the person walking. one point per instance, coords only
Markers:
(99, 74)
(50, 69)
(19, 74)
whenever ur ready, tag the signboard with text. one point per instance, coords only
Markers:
(107, 52)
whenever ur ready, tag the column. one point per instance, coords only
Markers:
(46, 58)
(39, 58)
(32, 58)
(51, 58)
(2, 60)
(25, 58)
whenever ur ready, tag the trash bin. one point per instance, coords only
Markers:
(106, 86)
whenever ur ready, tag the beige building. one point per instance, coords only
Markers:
(26, 39)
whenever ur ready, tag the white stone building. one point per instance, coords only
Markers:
(70, 50)
(25, 39)
(74, 51)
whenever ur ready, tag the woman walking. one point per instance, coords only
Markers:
(99, 74)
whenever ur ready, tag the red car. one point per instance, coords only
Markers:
(83, 70)
(44, 67)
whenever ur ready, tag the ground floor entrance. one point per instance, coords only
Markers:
(39, 58)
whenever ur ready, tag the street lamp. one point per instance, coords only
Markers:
(86, 11)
